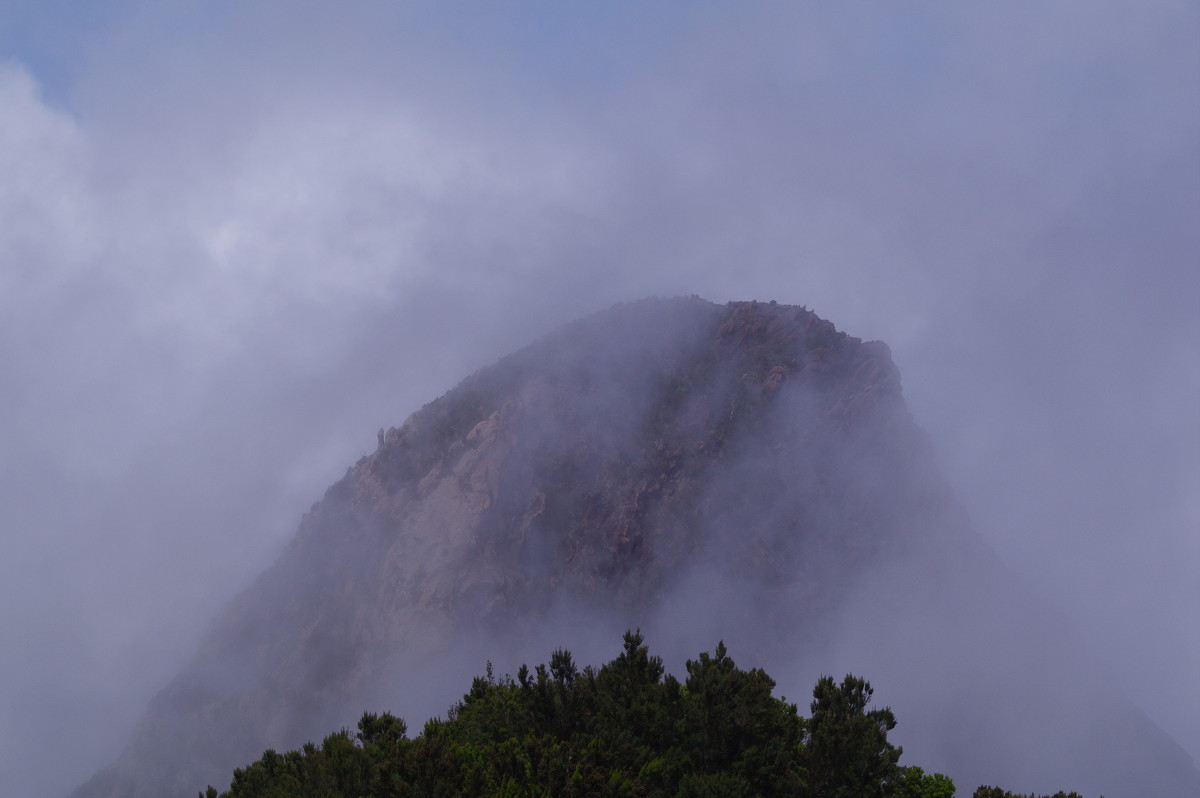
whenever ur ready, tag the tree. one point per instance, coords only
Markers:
(627, 729)
(384, 730)
(915, 783)
(846, 750)
(984, 791)
(735, 726)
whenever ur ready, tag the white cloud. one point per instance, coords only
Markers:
(45, 201)
(253, 237)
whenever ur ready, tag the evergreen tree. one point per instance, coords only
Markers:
(628, 729)
(734, 726)
(984, 791)
(915, 783)
(846, 751)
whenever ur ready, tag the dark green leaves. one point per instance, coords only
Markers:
(627, 729)
(846, 750)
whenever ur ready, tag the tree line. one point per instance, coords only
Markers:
(625, 729)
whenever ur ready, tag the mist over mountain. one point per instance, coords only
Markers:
(744, 473)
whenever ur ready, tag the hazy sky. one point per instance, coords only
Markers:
(236, 238)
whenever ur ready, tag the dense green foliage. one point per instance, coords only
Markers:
(627, 729)
(996, 792)
(846, 747)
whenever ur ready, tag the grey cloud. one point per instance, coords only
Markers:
(245, 238)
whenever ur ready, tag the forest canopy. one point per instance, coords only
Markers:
(625, 729)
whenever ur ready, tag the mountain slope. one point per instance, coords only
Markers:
(742, 471)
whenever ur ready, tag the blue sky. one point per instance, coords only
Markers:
(214, 217)
(52, 38)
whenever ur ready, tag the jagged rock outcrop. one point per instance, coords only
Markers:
(626, 469)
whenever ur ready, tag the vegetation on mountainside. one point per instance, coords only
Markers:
(996, 792)
(627, 729)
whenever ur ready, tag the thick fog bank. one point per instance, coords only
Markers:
(236, 240)
(743, 473)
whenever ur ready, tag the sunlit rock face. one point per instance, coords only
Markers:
(742, 472)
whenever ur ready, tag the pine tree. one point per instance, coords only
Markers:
(846, 751)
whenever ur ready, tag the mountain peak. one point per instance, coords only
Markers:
(743, 472)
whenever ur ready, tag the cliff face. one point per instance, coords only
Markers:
(595, 477)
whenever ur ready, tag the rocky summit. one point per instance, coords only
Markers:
(743, 472)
